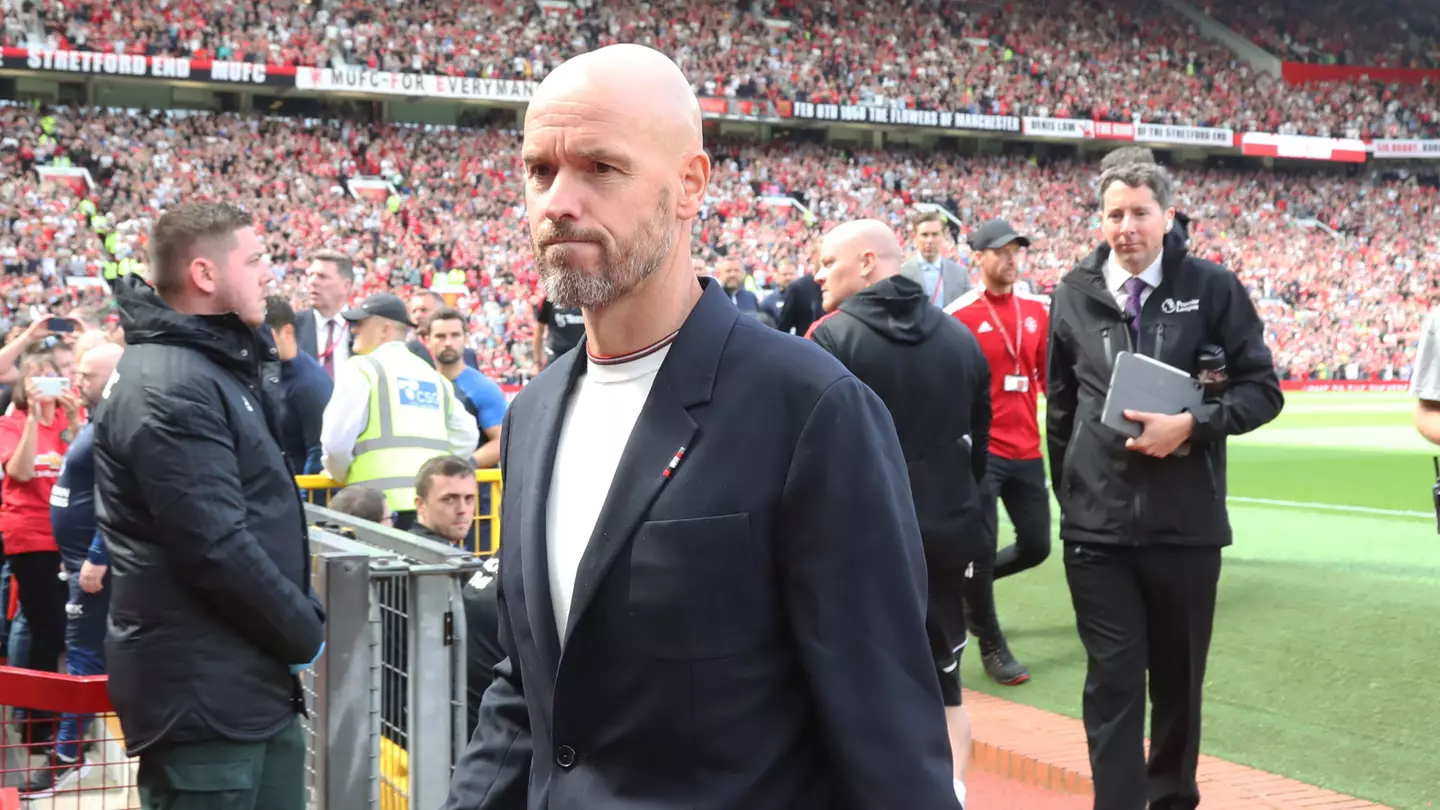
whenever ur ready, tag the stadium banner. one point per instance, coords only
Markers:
(1321, 386)
(854, 114)
(1406, 149)
(328, 80)
(1059, 128)
(1186, 136)
(1304, 147)
(173, 68)
(1304, 73)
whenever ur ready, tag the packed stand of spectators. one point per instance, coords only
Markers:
(1119, 60)
(1388, 33)
(1344, 296)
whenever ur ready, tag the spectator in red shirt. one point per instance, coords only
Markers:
(1012, 328)
(33, 439)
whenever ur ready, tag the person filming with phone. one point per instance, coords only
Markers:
(1143, 518)
(34, 437)
(36, 337)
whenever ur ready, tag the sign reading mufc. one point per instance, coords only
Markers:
(413, 84)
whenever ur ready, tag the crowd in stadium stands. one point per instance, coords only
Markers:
(1342, 299)
(1388, 33)
(1117, 60)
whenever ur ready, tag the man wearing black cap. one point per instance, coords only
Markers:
(391, 412)
(1012, 328)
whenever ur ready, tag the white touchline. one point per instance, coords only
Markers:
(1331, 507)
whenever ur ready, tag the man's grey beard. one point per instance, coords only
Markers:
(636, 262)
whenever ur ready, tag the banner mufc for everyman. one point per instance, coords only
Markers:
(417, 85)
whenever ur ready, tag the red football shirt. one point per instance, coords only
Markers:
(1013, 330)
(25, 510)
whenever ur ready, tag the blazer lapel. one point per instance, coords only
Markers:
(685, 379)
(663, 429)
(309, 340)
(544, 437)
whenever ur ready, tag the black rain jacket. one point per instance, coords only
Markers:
(1109, 494)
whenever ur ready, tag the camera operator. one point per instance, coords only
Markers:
(1143, 520)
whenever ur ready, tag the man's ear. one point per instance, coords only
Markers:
(204, 275)
(694, 185)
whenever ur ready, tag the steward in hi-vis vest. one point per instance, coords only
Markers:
(391, 412)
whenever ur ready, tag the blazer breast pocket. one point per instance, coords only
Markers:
(699, 588)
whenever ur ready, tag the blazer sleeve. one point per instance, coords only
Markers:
(494, 771)
(854, 585)
(1253, 397)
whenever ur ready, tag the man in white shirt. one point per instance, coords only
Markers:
(1425, 380)
(321, 332)
(739, 630)
(416, 415)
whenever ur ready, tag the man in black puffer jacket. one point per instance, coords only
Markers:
(930, 372)
(211, 618)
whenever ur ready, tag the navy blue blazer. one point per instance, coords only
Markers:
(305, 337)
(747, 633)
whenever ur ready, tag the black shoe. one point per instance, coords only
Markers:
(44, 782)
(1001, 666)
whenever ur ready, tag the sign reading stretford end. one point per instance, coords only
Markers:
(151, 67)
(854, 114)
(412, 84)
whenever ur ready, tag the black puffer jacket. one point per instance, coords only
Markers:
(930, 372)
(209, 551)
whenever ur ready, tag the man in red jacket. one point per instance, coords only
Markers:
(1012, 328)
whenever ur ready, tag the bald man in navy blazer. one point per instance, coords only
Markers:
(712, 589)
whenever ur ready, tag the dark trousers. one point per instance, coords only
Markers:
(42, 598)
(225, 775)
(1021, 486)
(1139, 609)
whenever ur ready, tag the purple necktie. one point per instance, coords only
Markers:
(1134, 286)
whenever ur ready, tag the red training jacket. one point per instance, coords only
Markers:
(1014, 431)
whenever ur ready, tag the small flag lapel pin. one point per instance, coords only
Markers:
(675, 462)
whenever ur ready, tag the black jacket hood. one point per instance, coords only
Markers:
(896, 308)
(225, 339)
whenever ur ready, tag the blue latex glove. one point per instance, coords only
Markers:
(296, 669)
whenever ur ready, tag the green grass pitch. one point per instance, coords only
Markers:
(1327, 634)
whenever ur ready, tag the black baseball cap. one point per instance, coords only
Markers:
(380, 305)
(996, 233)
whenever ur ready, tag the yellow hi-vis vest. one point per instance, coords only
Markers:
(410, 404)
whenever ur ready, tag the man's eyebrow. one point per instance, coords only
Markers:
(599, 154)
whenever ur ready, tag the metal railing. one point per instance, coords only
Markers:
(318, 489)
(389, 698)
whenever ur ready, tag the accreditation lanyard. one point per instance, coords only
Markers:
(1012, 348)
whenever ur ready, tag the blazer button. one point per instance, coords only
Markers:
(565, 757)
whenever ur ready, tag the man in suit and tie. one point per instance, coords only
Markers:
(712, 586)
(731, 275)
(942, 278)
(320, 330)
